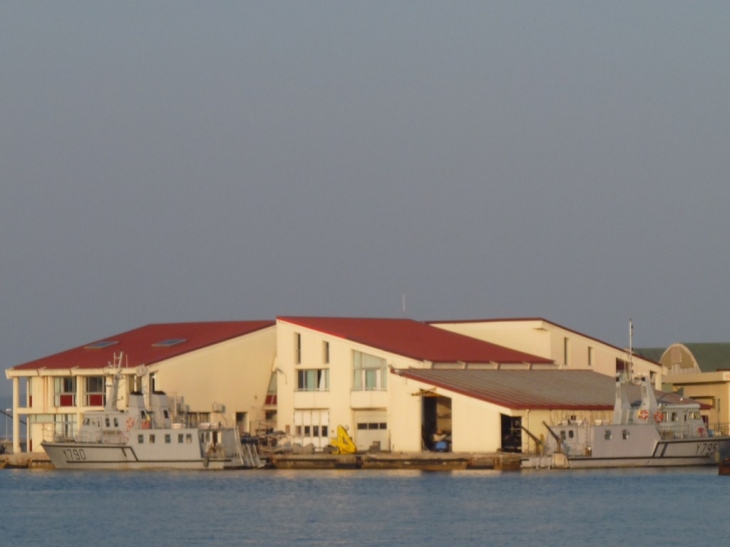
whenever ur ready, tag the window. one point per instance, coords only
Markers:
(179, 438)
(152, 439)
(65, 391)
(369, 372)
(607, 435)
(95, 391)
(313, 379)
(140, 439)
(625, 434)
(363, 426)
(566, 351)
(188, 438)
(590, 356)
(271, 391)
(326, 353)
(168, 439)
(297, 348)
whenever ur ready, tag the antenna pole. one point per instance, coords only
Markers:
(631, 349)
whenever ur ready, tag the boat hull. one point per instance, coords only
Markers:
(667, 453)
(74, 455)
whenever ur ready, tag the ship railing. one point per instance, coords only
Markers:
(58, 433)
(684, 431)
(102, 437)
(718, 429)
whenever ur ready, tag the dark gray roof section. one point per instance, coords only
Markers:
(654, 354)
(535, 389)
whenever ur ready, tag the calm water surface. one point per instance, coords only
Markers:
(364, 508)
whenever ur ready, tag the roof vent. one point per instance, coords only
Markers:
(101, 344)
(169, 342)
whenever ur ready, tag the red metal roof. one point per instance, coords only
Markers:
(535, 389)
(139, 345)
(414, 339)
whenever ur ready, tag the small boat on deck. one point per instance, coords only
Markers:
(144, 437)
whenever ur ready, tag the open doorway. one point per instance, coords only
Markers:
(511, 433)
(436, 423)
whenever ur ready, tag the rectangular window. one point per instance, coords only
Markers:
(168, 439)
(140, 439)
(326, 353)
(179, 438)
(271, 391)
(313, 380)
(590, 356)
(65, 391)
(152, 439)
(95, 391)
(188, 438)
(297, 348)
(370, 372)
(566, 351)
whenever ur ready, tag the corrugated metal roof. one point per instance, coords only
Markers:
(414, 339)
(142, 345)
(534, 389)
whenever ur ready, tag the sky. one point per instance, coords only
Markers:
(193, 161)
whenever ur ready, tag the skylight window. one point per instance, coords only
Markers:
(101, 344)
(169, 342)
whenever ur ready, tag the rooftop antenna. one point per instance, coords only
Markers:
(631, 349)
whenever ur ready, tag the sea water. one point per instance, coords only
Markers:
(364, 508)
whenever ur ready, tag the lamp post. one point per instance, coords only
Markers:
(6, 422)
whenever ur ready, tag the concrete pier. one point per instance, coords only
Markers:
(25, 460)
(425, 461)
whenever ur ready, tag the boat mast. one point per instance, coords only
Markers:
(630, 372)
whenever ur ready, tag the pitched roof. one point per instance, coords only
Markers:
(535, 389)
(147, 345)
(414, 339)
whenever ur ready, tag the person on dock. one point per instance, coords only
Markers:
(440, 441)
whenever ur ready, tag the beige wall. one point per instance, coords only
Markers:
(711, 388)
(341, 401)
(234, 374)
(547, 340)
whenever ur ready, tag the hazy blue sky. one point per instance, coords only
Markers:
(179, 161)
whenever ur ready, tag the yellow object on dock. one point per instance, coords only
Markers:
(343, 443)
